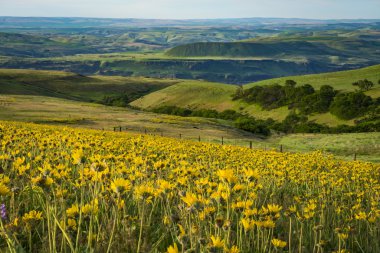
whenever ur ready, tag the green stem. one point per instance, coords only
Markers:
(290, 235)
(112, 233)
(141, 226)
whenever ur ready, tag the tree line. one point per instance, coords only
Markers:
(307, 100)
(293, 123)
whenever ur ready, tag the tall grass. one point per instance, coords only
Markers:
(71, 190)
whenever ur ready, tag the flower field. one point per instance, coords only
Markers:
(75, 190)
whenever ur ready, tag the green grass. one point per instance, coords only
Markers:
(329, 119)
(365, 145)
(36, 101)
(247, 49)
(56, 111)
(190, 94)
(143, 56)
(207, 95)
(341, 80)
(323, 47)
(73, 86)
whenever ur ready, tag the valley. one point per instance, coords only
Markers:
(224, 135)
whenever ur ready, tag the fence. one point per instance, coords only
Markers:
(222, 140)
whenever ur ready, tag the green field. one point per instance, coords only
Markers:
(49, 110)
(149, 93)
(62, 98)
(205, 95)
(328, 48)
(191, 94)
(74, 86)
(341, 80)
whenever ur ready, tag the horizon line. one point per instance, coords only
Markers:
(193, 19)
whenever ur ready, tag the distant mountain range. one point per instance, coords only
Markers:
(74, 22)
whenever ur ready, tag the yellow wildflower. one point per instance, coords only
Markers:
(173, 249)
(4, 190)
(32, 216)
(120, 185)
(217, 242)
(278, 243)
(228, 175)
(73, 211)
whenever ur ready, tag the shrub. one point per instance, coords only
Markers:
(351, 105)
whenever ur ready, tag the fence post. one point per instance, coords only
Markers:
(199, 138)
(114, 129)
(222, 140)
(281, 148)
(145, 130)
(250, 144)
(180, 136)
(120, 129)
(355, 157)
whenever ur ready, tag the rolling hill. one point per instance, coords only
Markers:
(228, 55)
(148, 93)
(329, 47)
(190, 94)
(43, 110)
(248, 49)
(47, 97)
(76, 87)
(341, 80)
(235, 71)
(203, 95)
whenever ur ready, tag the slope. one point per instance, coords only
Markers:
(247, 49)
(76, 87)
(341, 80)
(190, 94)
(205, 95)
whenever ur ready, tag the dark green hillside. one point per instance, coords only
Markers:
(249, 49)
(226, 71)
(278, 101)
(24, 45)
(112, 90)
(327, 47)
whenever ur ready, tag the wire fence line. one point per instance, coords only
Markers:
(221, 140)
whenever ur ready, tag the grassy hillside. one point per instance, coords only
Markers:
(325, 47)
(76, 87)
(247, 49)
(341, 80)
(197, 95)
(191, 94)
(227, 54)
(236, 71)
(56, 111)
(159, 92)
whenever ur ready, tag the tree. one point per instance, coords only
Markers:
(239, 93)
(290, 83)
(351, 105)
(363, 85)
(252, 125)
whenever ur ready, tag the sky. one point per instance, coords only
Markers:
(193, 9)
